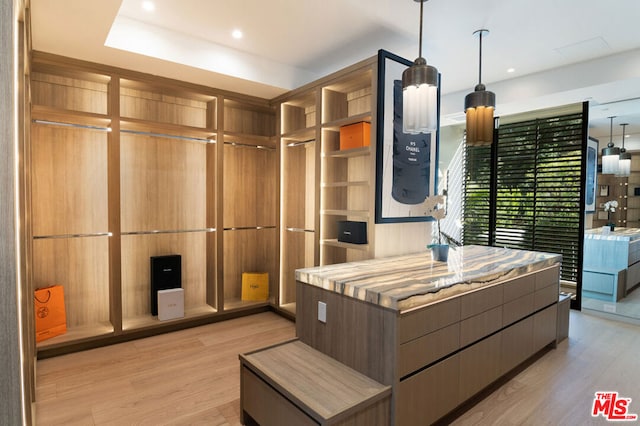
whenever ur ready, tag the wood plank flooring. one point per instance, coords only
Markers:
(192, 377)
(186, 377)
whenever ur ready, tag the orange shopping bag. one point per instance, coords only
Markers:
(51, 317)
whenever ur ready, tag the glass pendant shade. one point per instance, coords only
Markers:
(420, 93)
(624, 164)
(479, 107)
(610, 159)
(624, 161)
(610, 155)
(420, 98)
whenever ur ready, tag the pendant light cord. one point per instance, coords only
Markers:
(420, 40)
(623, 128)
(480, 61)
(611, 131)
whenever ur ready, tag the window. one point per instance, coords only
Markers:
(526, 192)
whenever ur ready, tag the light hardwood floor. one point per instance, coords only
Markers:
(192, 377)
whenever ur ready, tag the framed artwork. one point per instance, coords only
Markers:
(591, 176)
(406, 165)
(604, 190)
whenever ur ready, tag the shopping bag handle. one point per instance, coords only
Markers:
(48, 297)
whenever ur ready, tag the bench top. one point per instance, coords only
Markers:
(318, 384)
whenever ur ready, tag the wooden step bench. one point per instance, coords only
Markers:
(294, 384)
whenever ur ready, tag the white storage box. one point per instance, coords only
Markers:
(170, 304)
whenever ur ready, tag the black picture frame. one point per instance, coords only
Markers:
(591, 176)
(400, 189)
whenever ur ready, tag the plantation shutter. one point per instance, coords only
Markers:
(537, 184)
(476, 228)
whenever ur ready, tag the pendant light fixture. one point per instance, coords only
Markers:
(420, 93)
(624, 161)
(610, 155)
(479, 107)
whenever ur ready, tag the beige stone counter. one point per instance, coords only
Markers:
(403, 283)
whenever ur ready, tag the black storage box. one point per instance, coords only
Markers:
(166, 273)
(352, 232)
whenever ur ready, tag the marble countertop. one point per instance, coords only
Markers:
(406, 282)
(620, 234)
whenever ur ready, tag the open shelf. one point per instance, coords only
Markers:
(70, 117)
(349, 153)
(301, 135)
(79, 333)
(344, 184)
(340, 244)
(358, 213)
(245, 139)
(336, 124)
(135, 125)
(238, 304)
(146, 321)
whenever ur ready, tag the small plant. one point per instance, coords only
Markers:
(437, 211)
(610, 207)
(443, 236)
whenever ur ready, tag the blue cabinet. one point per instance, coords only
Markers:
(607, 285)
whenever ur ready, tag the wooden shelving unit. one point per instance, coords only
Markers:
(321, 184)
(299, 222)
(617, 188)
(348, 176)
(69, 197)
(249, 206)
(633, 200)
(126, 166)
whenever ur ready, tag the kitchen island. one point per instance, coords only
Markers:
(437, 333)
(611, 263)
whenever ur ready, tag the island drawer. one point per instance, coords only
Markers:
(426, 320)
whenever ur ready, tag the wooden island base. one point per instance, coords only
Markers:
(436, 349)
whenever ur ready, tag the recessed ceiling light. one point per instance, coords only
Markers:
(148, 5)
(510, 70)
(237, 34)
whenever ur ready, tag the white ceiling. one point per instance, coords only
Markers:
(562, 50)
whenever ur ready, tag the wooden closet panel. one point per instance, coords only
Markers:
(249, 250)
(298, 252)
(249, 187)
(69, 180)
(298, 195)
(164, 108)
(81, 266)
(163, 183)
(298, 114)
(293, 118)
(69, 93)
(136, 251)
(247, 120)
(347, 98)
(359, 101)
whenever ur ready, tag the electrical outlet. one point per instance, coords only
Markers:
(322, 312)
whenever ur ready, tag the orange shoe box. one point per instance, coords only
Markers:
(355, 135)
